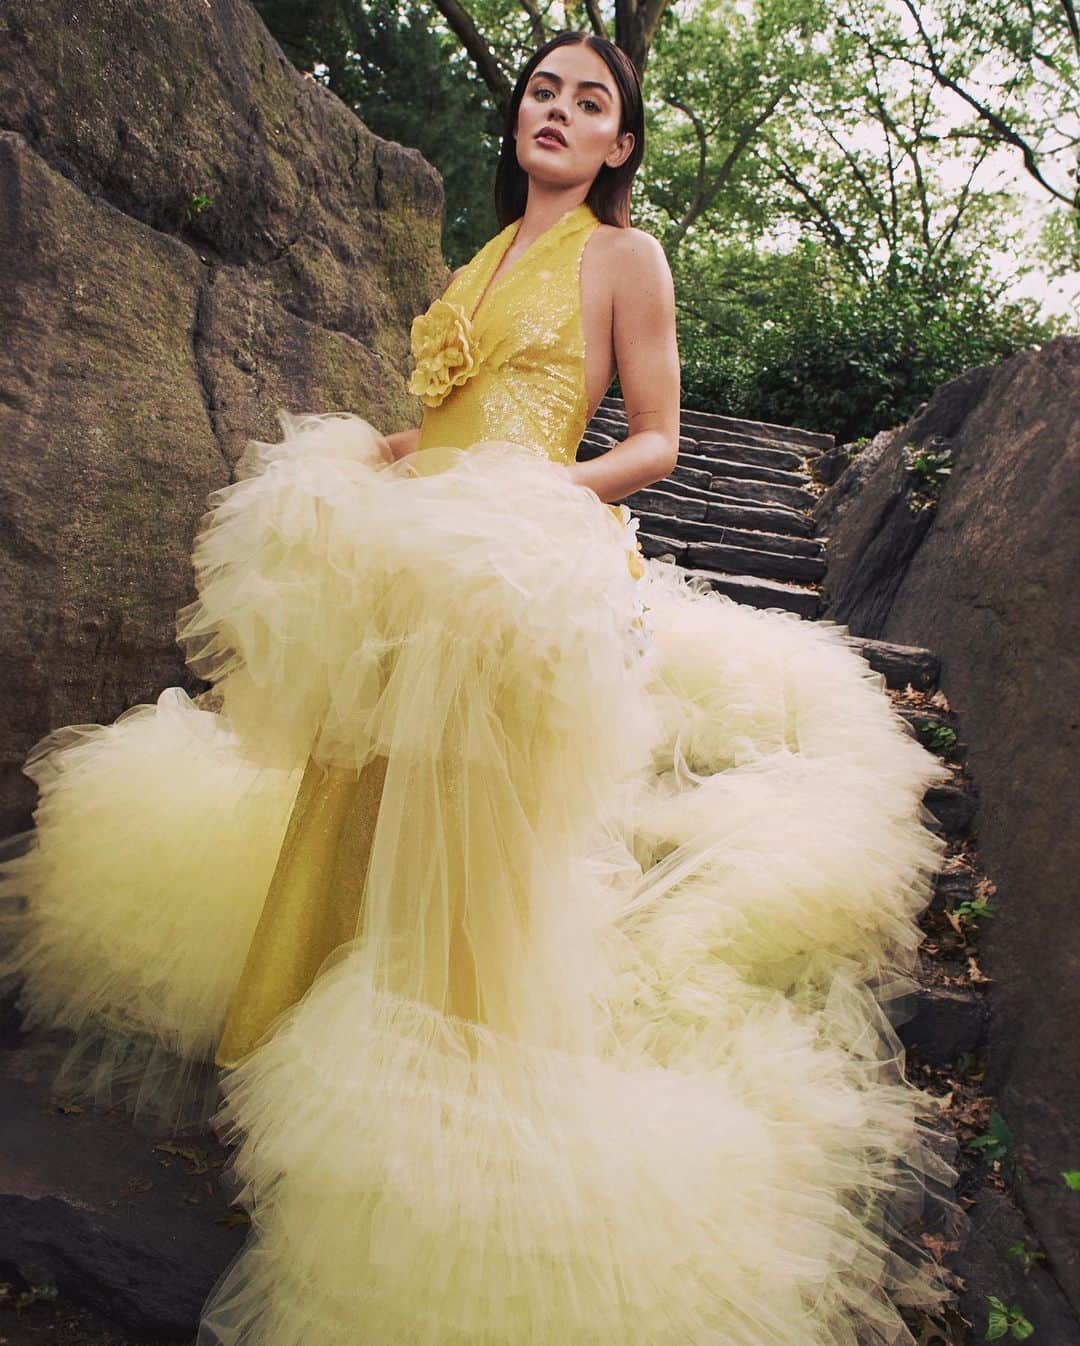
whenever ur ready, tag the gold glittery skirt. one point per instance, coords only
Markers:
(314, 901)
(314, 906)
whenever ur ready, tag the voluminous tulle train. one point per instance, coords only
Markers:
(609, 1054)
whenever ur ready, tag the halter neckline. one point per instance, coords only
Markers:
(509, 234)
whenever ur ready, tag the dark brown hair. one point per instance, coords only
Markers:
(609, 194)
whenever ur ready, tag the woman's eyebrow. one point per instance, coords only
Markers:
(582, 83)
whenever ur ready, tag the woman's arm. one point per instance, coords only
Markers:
(402, 442)
(647, 358)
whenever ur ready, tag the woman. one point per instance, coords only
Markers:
(545, 954)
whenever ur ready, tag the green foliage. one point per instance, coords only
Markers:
(969, 913)
(1006, 1321)
(939, 738)
(812, 348)
(830, 241)
(1022, 1256)
(1072, 1179)
(1015, 65)
(995, 1143)
(196, 205)
(930, 467)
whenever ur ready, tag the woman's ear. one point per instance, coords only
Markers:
(622, 151)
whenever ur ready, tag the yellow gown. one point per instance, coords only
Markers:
(539, 914)
(520, 378)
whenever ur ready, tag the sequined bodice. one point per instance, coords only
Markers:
(509, 363)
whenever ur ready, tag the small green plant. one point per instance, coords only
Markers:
(1022, 1256)
(970, 912)
(939, 738)
(994, 1144)
(1007, 1321)
(1072, 1179)
(197, 205)
(928, 467)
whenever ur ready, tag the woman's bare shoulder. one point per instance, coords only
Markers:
(641, 253)
(630, 257)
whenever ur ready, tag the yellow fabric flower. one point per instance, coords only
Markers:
(444, 346)
(634, 557)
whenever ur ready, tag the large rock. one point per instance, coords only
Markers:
(987, 579)
(134, 1228)
(147, 336)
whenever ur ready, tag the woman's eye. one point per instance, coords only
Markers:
(593, 104)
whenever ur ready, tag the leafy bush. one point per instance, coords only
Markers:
(850, 361)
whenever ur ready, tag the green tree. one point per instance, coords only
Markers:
(800, 342)
(820, 211)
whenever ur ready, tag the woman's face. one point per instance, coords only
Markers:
(573, 92)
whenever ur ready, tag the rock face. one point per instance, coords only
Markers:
(988, 580)
(192, 235)
(137, 1229)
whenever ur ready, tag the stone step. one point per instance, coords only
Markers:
(734, 511)
(137, 1226)
(702, 506)
(606, 431)
(763, 493)
(691, 489)
(697, 477)
(729, 560)
(945, 1024)
(661, 499)
(694, 530)
(790, 434)
(746, 471)
(953, 808)
(600, 437)
(737, 438)
(900, 665)
(602, 434)
(761, 593)
(611, 426)
(735, 450)
(739, 485)
(809, 441)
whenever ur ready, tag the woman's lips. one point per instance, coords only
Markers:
(546, 138)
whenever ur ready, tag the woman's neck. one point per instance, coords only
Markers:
(543, 209)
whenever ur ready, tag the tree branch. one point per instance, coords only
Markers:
(461, 23)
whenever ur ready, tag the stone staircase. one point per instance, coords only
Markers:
(736, 511)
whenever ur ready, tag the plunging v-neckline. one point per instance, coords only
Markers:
(495, 282)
